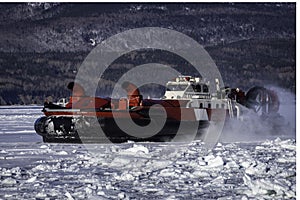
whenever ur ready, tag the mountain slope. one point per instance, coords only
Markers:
(43, 44)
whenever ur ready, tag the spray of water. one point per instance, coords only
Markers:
(256, 128)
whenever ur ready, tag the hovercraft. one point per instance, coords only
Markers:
(187, 109)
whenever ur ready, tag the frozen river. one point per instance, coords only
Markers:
(243, 169)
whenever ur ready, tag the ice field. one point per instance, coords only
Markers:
(262, 167)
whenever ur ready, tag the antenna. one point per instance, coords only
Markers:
(217, 85)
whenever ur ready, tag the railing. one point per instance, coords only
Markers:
(230, 108)
(197, 95)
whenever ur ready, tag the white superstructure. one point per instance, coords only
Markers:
(198, 92)
(187, 87)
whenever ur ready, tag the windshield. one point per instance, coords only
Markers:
(172, 87)
(200, 88)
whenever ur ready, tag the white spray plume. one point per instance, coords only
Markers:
(254, 128)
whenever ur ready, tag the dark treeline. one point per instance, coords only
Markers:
(43, 44)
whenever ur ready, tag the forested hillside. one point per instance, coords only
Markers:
(43, 44)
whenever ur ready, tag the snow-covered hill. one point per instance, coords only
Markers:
(43, 44)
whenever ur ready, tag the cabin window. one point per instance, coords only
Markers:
(209, 105)
(172, 87)
(217, 105)
(197, 88)
(223, 105)
(189, 89)
(205, 88)
(201, 105)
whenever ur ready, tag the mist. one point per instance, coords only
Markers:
(255, 128)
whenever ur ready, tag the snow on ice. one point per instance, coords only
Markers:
(30, 169)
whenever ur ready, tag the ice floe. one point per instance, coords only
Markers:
(250, 170)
